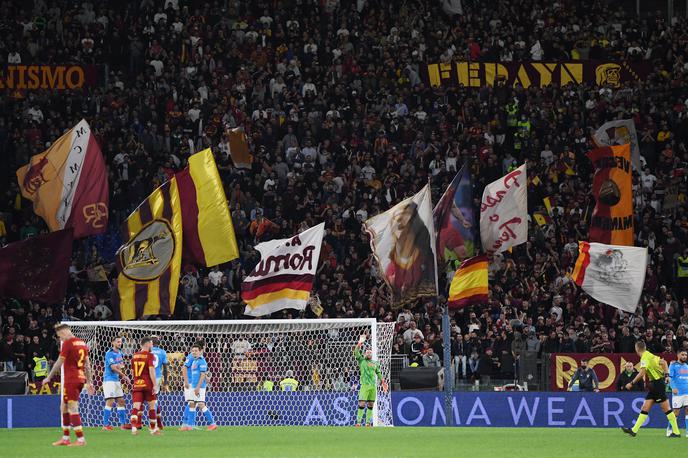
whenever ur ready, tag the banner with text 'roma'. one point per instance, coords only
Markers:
(283, 278)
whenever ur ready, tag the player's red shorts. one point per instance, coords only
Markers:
(143, 395)
(71, 391)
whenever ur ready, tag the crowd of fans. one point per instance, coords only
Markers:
(342, 125)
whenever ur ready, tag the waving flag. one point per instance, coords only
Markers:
(504, 212)
(620, 132)
(149, 262)
(612, 274)
(470, 283)
(612, 187)
(37, 268)
(403, 242)
(284, 276)
(238, 148)
(454, 221)
(209, 237)
(68, 184)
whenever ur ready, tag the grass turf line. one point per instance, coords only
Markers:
(306, 442)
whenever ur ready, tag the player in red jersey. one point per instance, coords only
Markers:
(143, 368)
(77, 374)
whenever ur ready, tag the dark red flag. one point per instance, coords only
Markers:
(37, 268)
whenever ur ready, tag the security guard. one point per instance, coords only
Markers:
(40, 368)
(512, 114)
(266, 385)
(524, 126)
(682, 274)
(289, 383)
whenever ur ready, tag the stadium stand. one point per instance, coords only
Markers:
(342, 125)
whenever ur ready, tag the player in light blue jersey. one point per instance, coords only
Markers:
(112, 386)
(188, 392)
(197, 380)
(160, 374)
(678, 379)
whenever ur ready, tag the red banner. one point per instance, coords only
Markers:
(607, 366)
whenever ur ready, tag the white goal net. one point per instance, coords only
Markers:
(241, 356)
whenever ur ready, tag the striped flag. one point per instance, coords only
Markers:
(149, 262)
(68, 183)
(469, 285)
(284, 276)
(209, 237)
(612, 274)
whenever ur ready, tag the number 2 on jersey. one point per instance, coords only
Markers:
(138, 367)
(82, 356)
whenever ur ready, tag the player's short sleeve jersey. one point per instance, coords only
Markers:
(140, 364)
(198, 367)
(679, 377)
(187, 365)
(112, 357)
(74, 352)
(160, 360)
(651, 365)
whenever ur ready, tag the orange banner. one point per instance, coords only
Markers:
(612, 187)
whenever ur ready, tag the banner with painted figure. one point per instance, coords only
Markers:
(68, 183)
(535, 74)
(612, 188)
(454, 220)
(403, 242)
(611, 274)
(504, 212)
(619, 132)
(283, 278)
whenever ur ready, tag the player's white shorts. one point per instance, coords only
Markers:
(158, 383)
(679, 401)
(112, 390)
(190, 395)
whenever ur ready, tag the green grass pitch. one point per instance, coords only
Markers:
(303, 442)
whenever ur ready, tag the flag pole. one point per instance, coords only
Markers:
(446, 334)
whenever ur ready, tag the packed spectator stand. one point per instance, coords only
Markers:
(342, 126)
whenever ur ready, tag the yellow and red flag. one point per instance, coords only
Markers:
(209, 237)
(612, 187)
(470, 283)
(149, 262)
(67, 183)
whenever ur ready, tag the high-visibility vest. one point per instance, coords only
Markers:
(682, 267)
(524, 126)
(289, 384)
(267, 385)
(41, 366)
(511, 114)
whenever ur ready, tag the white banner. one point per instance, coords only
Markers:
(403, 242)
(612, 274)
(620, 132)
(504, 212)
(284, 276)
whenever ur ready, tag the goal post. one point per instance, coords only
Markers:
(244, 354)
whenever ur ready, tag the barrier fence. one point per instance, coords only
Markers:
(500, 409)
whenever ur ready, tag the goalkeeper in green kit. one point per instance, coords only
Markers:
(368, 391)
